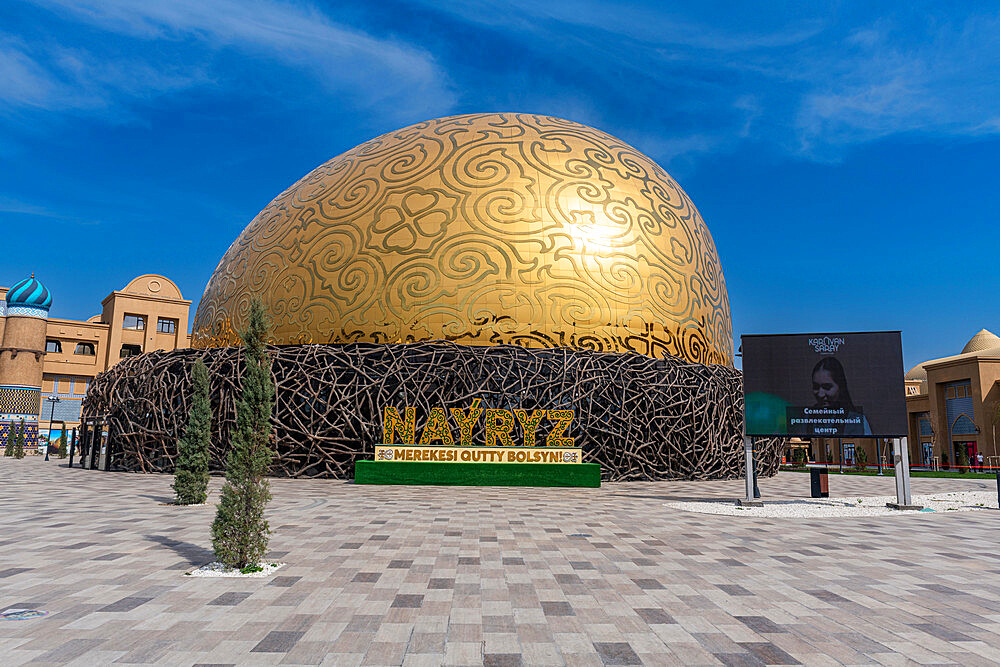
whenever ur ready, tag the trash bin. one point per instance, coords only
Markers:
(819, 482)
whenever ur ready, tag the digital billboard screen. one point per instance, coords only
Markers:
(829, 385)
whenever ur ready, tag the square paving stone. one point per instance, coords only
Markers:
(277, 641)
(616, 653)
(655, 616)
(769, 654)
(230, 599)
(283, 582)
(408, 601)
(760, 624)
(10, 572)
(557, 609)
(125, 604)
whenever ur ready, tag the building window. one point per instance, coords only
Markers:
(950, 392)
(163, 325)
(53, 346)
(130, 351)
(85, 349)
(136, 322)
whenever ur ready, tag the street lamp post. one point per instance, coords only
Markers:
(52, 415)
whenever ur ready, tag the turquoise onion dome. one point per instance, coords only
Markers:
(29, 292)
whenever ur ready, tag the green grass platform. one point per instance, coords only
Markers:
(477, 474)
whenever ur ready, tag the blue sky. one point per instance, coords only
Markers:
(844, 155)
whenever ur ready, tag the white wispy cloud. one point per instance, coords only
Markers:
(23, 82)
(813, 84)
(56, 78)
(343, 61)
(10, 205)
(946, 82)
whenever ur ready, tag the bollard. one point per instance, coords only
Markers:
(819, 482)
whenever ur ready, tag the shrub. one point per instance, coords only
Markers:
(860, 458)
(240, 532)
(191, 475)
(19, 442)
(62, 444)
(963, 459)
(8, 449)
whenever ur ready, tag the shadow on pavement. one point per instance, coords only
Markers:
(194, 554)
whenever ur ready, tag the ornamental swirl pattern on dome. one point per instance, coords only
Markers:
(481, 229)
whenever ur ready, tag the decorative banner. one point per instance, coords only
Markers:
(478, 454)
(497, 426)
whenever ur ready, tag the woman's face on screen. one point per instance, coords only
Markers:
(825, 390)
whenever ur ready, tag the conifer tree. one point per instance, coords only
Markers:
(62, 444)
(962, 459)
(8, 449)
(240, 533)
(19, 443)
(860, 458)
(191, 476)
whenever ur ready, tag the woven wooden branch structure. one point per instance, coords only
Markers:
(640, 418)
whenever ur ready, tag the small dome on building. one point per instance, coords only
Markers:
(917, 373)
(984, 340)
(29, 292)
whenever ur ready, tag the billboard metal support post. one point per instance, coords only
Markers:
(756, 491)
(901, 459)
(750, 499)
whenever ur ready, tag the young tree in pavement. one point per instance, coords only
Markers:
(191, 474)
(8, 449)
(19, 443)
(240, 533)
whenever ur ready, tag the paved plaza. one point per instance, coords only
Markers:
(494, 576)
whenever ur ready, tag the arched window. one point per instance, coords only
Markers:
(53, 346)
(963, 425)
(85, 349)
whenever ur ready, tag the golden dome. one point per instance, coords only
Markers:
(481, 229)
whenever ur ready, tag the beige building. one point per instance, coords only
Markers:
(953, 405)
(953, 411)
(148, 314)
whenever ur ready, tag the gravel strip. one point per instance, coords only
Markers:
(217, 569)
(808, 508)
